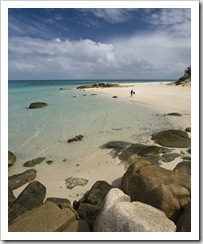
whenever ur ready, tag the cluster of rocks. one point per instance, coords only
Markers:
(99, 85)
(150, 198)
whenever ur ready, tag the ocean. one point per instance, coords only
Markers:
(44, 132)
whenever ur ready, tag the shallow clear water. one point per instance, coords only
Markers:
(45, 131)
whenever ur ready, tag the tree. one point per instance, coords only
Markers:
(187, 71)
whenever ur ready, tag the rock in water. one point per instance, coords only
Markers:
(120, 215)
(37, 105)
(76, 138)
(172, 138)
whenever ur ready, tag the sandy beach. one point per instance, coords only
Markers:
(158, 96)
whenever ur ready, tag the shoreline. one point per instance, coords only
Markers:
(158, 96)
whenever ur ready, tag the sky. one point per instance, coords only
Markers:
(98, 43)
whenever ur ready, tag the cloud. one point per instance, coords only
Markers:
(176, 21)
(111, 15)
(155, 55)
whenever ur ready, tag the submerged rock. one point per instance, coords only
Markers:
(73, 182)
(76, 138)
(38, 105)
(172, 138)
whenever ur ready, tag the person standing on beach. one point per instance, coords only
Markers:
(132, 92)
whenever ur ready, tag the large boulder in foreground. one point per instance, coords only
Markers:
(31, 197)
(89, 205)
(184, 221)
(46, 218)
(120, 215)
(37, 105)
(164, 189)
(172, 138)
(11, 158)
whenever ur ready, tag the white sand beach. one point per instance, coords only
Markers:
(160, 97)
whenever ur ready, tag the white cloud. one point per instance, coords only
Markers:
(111, 15)
(156, 55)
(176, 21)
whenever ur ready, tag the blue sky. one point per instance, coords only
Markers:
(98, 43)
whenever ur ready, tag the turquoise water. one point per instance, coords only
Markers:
(44, 132)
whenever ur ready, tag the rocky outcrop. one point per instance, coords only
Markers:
(31, 197)
(118, 214)
(37, 105)
(172, 138)
(76, 138)
(18, 180)
(33, 162)
(11, 158)
(128, 153)
(46, 218)
(98, 85)
(72, 182)
(136, 150)
(166, 190)
(117, 146)
(89, 205)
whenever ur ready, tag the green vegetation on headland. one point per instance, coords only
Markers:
(186, 78)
